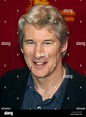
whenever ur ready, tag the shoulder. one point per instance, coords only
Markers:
(75, 75)
(12, 74)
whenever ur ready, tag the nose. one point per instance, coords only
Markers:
(39, 51)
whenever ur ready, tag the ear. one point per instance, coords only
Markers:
(21, 49)
(64, 47)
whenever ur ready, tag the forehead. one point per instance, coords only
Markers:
(31, 30)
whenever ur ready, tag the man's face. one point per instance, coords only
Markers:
(41, 50)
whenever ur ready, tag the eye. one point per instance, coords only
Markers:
(30, 42)
(47, 42)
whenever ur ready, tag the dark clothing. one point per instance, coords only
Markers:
(13, 85)
(35, 100)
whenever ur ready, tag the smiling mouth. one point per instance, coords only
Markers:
(40, 63)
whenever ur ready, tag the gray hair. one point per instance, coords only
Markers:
(41, 16)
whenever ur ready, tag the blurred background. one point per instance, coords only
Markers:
(74, 11)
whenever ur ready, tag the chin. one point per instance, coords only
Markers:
(39, 76)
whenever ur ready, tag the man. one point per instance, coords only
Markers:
(47, 82)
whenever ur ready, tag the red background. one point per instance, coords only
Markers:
(73, 11)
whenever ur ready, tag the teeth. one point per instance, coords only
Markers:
(39, 63)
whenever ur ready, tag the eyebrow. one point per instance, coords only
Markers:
(34, 40)
(28, 40)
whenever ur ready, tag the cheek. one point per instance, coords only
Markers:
(55, 55)
(27, 52)
(54, 58)
(27, 56)
(54, 52)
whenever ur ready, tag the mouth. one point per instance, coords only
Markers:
(39, 64)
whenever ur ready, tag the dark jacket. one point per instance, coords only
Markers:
(13, 83)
